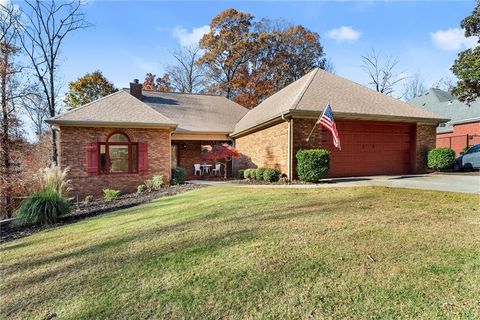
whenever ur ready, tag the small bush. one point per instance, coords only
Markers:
(465, 149)
(110, 194)
(148, 185)
(241, 174)
(313, 164)
(43, 208)
(247, 173)
(141, 188)
(259, 174)
(440, 158)
(179, 175)
(157, 182)
(271, 175)
(88, 199)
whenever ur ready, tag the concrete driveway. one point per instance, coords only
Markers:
(438, 182)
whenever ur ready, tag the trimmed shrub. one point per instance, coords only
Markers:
(179, 175)
(271, 175)
(43, 207)
(141, 188)
(157, 182)
(313, 164)
(241, 174)
(248, 173)
(110, 194)
(440, 158)
(259, 174)
(88, 199)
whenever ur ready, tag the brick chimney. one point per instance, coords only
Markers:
(136, 89)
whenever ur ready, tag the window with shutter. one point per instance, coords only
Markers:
(118, 154)
(142, 158)
(91, 158)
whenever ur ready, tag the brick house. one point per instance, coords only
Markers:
(463, 129)
(125, 138)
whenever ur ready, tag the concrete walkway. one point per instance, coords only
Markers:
(437, 182)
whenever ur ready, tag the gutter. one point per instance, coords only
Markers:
(68, 123)
(339, 116)
(290, 144)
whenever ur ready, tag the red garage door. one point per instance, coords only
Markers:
(371, 148)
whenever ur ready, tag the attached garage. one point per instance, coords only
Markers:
(368, 148)
(379, 135)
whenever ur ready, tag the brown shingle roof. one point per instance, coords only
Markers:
(196, 112)
(311, 93)
(119, 108)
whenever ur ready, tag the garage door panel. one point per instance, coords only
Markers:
(370, 148)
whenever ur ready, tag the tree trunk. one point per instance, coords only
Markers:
(6, 165)
(52, 114)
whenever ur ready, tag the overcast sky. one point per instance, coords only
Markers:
(131, 38)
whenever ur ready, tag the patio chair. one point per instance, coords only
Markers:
(198, 169)
(217, 169)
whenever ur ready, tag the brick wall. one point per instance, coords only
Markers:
(425, 141)
(72, 154)
(264, 148)
(463, 134)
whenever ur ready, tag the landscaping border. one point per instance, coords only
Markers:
(95, 208)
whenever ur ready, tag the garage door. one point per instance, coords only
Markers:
(370, 148)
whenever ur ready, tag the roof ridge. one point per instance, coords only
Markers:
(86, 105)
(304, 89)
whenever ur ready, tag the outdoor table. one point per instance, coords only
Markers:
(206, 168)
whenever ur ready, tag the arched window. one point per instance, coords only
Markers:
(118, 155)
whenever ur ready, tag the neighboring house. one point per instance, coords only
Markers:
(124, 138)
(463, 129)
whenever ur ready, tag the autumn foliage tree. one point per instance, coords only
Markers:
(248, 61)
(223, 152)
(160, 84)
(229, 46)
(88, 88)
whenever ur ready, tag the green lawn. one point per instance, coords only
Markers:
(240, 253)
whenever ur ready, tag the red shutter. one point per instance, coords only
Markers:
(142, 158)
(91, 158)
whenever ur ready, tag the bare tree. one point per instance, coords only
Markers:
(9, 91)
(186, 75)
(36, 109)
(445, 84)
(413, 87)
(47, 24)
(329, 66)
(382, 72)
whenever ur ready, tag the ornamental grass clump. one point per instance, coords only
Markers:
(47, 203)
(44, 207)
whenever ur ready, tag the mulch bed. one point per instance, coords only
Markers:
(95, 208)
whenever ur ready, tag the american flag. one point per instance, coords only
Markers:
(328, 121)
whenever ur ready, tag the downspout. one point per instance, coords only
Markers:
(289, 153)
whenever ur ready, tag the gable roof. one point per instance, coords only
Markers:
(117, 109)
(347, 98)
(446, 105)
(196, 112)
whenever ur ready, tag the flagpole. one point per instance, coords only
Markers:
(311, 131)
